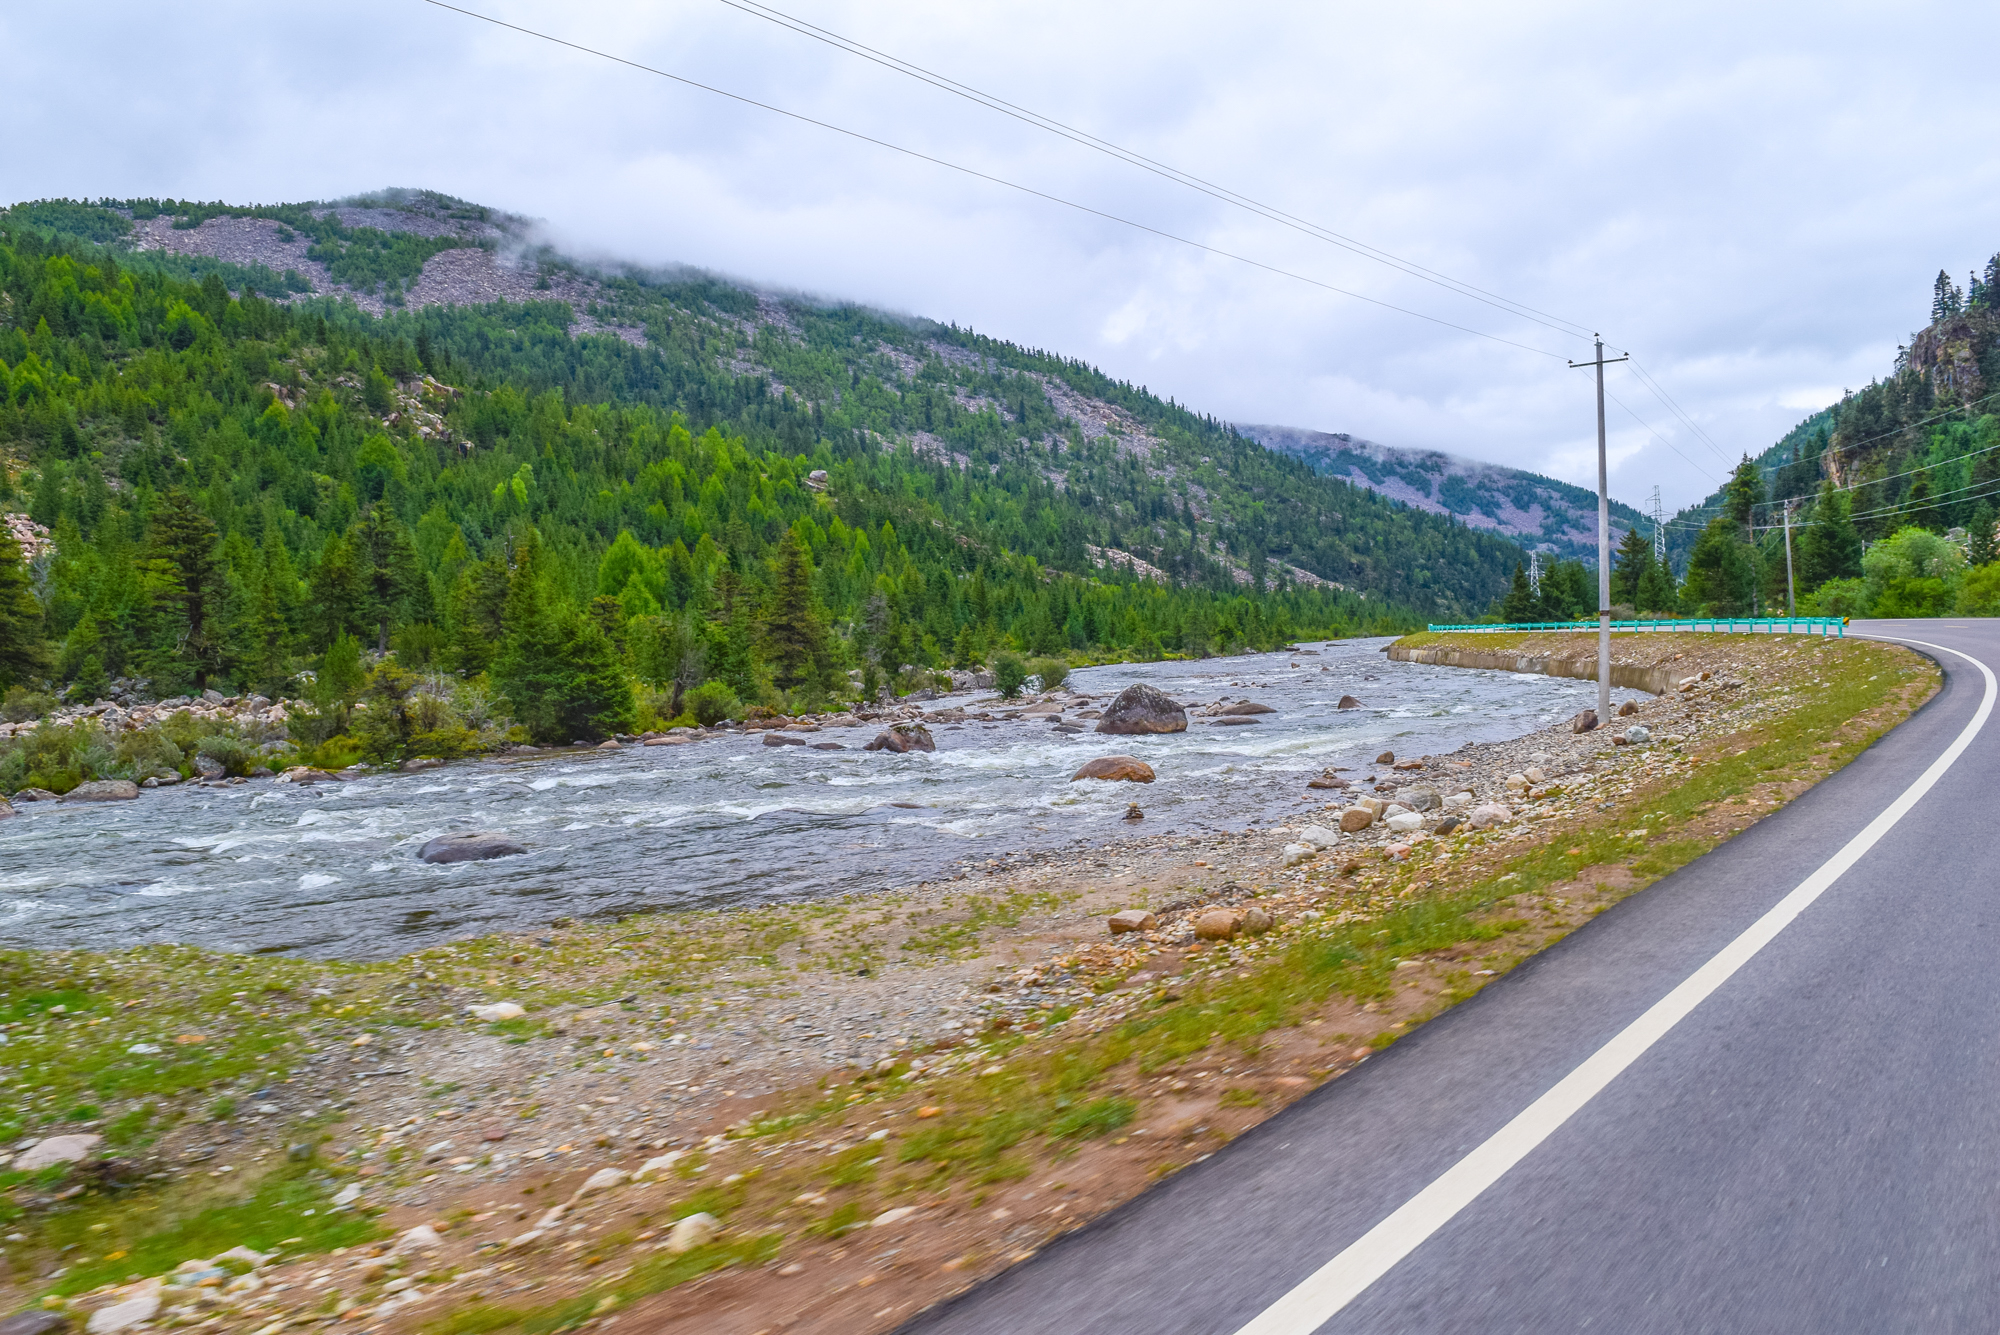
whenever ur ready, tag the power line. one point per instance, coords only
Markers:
(1647, 427)
(1884, 435)
(1183, 178)
(1659, 392)
(987, 176)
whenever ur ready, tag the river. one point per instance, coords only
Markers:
(330, 870)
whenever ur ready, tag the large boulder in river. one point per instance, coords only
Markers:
(103, 790)
(470, 846)
(1142, 709)
(1129, 768)
(1243, 709)
(903, 737)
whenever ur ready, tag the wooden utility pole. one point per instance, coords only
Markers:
(1603, 546)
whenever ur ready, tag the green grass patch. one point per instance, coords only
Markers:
(156, 1235)
(653, 1275)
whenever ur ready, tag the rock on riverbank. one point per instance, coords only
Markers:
(1142, 709)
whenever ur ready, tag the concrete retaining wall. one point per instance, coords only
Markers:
(1658, 680)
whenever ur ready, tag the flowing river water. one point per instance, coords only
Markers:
(331, 869)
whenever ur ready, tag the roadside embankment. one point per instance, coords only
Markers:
(1640, 660)
(863, 1106)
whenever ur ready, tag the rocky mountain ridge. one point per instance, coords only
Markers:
(1538, 512)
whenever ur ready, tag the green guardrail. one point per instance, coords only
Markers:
(1767, 625)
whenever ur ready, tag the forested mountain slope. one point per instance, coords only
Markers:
(253, 431)
(1893, 490)
(1536, 511)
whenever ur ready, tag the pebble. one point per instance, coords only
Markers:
(423, 1235)
(697, 1230)
(124, 1315)
(604, 1179)
(55, 1150)
(499, 1010)
(1132, 920)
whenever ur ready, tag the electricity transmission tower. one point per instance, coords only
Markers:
(1659, 513)
(1535, 572)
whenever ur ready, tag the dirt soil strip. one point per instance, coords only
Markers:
(878, 1102)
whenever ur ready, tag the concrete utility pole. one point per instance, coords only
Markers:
(1791, 603)
(1603, 546)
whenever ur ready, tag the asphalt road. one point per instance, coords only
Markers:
(1815, 1146)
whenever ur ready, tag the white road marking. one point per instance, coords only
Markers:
(1315, 1299)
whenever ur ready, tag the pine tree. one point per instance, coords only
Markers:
(1634, 558)
(1829, 547)
(1741, 496)
(794, 636)
(476, 614)
(1946, 299)
(731, 649)
(1520, 605)
(1979, 547)
(1918, 507)
(24, 652)
(1721, 580)
(192, 596)
(529, 671)
(339, 593)
(1656, 591)
(596, 694)
(390, 575)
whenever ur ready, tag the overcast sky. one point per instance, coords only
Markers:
(1752, 199)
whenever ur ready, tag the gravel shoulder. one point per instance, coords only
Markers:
(877, 1101)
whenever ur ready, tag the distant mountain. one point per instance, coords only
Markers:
(424, 378)
(1536, 511)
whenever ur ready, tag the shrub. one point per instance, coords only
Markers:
(1051, 672)
(412, 715)
(1836, 598)
(58, 757)
(1978, 592)
(149, 752)
(22, 704)
(711, 702)
(1009, 673)
(235, 755)
(330, 754)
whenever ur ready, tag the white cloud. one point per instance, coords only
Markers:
(1754, 199)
